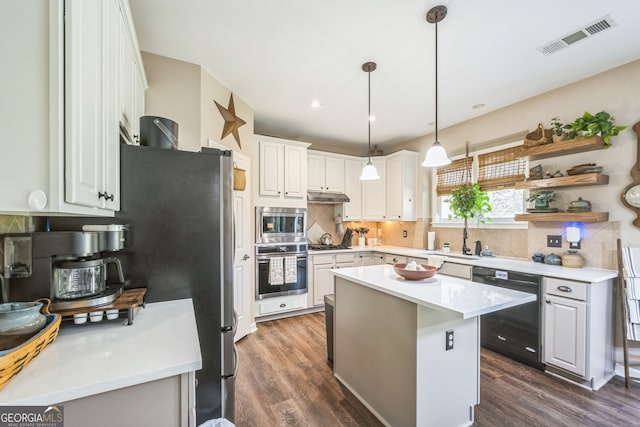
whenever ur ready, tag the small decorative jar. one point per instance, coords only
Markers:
(572, 259)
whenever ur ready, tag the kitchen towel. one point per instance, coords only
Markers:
(276, 275)
(290, 269)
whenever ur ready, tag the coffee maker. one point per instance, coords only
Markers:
(69, 267)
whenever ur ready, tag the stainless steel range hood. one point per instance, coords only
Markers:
(327, 198)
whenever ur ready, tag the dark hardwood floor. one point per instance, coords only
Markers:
(284, 380)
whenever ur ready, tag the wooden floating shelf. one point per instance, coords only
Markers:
(564, 217)
(562, 148)
(564, 181)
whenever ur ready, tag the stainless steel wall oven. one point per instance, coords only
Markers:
(291, 257)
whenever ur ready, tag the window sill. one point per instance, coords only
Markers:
(512, 225)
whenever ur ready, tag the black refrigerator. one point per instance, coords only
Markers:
(179, 209)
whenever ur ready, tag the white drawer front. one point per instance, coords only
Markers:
(345, 257)
(322, 259)
(394, 259)
(282, 304)
(566, 288)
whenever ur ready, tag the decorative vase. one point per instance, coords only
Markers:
(572, 259)
(541, 204)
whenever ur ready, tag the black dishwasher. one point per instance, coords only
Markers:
(515, 331)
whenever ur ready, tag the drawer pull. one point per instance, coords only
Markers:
(564, 288)
(501, 338)
(548, 301)
(283, 305)
(530, 350)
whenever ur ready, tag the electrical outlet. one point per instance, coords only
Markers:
(449, 340)
(554, 241)
(404, 233)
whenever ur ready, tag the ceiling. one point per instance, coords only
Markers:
(279, 55)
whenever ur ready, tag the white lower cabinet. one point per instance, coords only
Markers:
(165, 402)
(578, 330)
(320, 281)
(364, 258)
(565, 338)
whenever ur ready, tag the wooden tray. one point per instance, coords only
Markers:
(127, 302)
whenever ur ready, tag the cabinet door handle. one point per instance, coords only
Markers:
(548, 301)
(283, 305)
(563, 288)
(530, 350)
(106, 196)
(278, 192)
(501, 338)
(245, 257)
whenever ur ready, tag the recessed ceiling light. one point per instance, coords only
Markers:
(477, 106)
(315, 104)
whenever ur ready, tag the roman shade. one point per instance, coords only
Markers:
(501, 169)
(452, 175)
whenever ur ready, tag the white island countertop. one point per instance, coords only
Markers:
(443, 293)
(89, 359)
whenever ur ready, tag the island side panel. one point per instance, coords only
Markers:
(375, 350)
(448, 381)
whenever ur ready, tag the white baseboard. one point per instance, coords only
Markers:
(633, 372)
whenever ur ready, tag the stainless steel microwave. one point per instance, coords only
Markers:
(281, 225)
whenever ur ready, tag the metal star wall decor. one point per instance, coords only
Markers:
(231, 121)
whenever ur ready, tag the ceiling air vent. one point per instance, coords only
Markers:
(587, 31)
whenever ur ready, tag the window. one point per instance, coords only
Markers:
(497, 173)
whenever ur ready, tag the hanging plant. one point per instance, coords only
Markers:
(468, 201)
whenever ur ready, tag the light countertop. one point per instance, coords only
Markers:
(444, 293)
(98, 357)
(585, 274)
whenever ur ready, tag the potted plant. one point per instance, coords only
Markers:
(558, 129)
(589, 125)
(541, 198)
(469, 201)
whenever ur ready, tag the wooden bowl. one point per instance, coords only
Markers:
(429, 271)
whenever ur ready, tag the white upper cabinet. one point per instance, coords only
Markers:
(132, 78)
(373, 194)
(282, 176)
(401, 183)
(352, 211)
(390, 198)
(325, 173)
(72, 139)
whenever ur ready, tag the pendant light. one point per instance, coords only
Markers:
(436, 155)
(369, 172)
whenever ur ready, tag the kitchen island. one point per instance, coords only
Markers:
(108, 373)
(410, 350)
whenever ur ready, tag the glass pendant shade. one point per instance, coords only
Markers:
(436, 156)
(369, 172)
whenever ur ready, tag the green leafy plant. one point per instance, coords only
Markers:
(589, 125)
(469, 201)
(557, 126)
(541, 195)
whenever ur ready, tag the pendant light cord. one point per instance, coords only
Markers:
(369, 116)
(436, 23)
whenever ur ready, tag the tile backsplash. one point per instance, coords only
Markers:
(14, 224)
